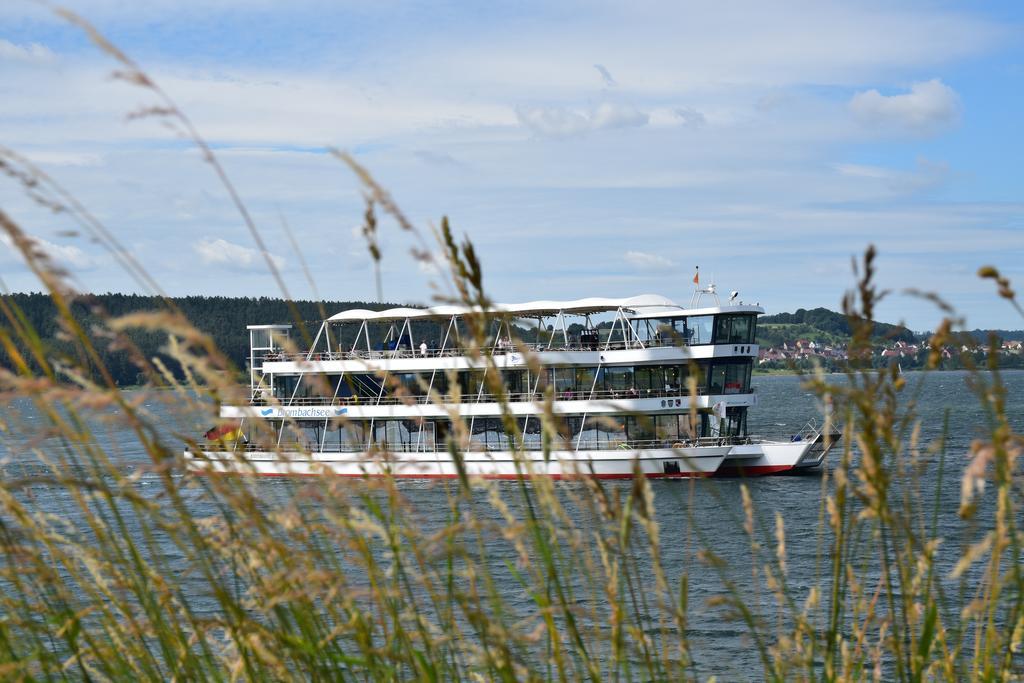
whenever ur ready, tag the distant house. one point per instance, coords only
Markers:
(767, 356)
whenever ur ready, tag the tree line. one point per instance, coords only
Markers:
(223, 318)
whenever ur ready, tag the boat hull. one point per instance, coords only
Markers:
(767, 457)
(603, 464)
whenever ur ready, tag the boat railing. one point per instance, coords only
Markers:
(406, 352)
(477, 447)
(512, 397)
(809, 432)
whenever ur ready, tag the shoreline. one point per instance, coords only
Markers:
(786, 371)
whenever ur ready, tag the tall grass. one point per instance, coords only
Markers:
(118, 564)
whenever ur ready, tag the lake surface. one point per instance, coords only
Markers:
(718, 645)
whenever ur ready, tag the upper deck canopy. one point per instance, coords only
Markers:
(651, 305)
(704, 310)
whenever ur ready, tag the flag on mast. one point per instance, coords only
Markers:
(696, 275)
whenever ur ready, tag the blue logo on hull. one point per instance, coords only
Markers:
(266, 411)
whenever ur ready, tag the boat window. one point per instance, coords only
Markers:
(410, 382)
(722, 325)
(729, 377)
(352, 436)
(734, 424)
(666, 427)
(736, 421)
(394, 434)
(440, 382)
(645, 379)
(604, 430)
(735, 378)
(570, 427)
(472, 382)
(366, 386)
(489, 434)
(563, 380)
(515, 381)
(640, 428)
(284, 386)
(674, 378)
(531, 434)
(267, 339)
(343, 387)
(741, 330)
(585, 380)
(688, 428)
(699, 329)
(716, 378)
(670, 332)
(734, 329)
(421, 433)
(618, 378)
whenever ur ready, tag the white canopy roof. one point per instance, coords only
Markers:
(651, 304)
(704, 310)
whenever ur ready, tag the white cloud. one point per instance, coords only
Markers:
(761, 45)
(64, 254)
(644, 261)
(221, 252)
(929, 106)
(560, 122)
(32, 52)
(609, 115)
(863, 171)
(554, 122)
(928, 174)
(64, 158)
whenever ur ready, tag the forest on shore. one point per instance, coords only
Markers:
(223, 318)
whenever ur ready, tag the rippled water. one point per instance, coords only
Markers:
(719, 645)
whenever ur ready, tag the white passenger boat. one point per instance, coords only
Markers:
(632, 385)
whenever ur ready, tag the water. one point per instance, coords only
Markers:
(719, 645)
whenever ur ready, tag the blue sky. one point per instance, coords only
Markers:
(586, 148)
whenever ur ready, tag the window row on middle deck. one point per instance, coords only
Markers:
(716, 376)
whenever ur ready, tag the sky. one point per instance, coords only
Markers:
(586, 148)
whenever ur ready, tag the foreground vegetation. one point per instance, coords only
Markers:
(116, 569)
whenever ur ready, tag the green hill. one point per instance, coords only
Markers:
(821, 326)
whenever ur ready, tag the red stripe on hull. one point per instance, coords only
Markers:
(506, 477)
(751, 470)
